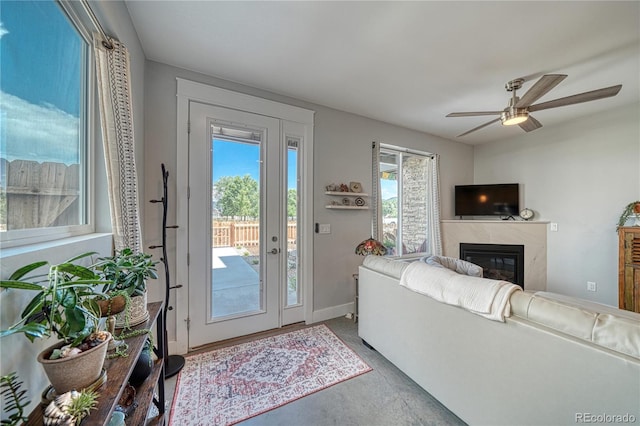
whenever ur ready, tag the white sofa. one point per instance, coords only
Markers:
(556, 360)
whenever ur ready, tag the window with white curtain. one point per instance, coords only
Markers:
(405, 208)
(46, 85)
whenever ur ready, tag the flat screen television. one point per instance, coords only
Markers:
(487, 200)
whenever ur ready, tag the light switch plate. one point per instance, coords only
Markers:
(324, 228)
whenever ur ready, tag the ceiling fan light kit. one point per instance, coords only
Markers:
(518, 110)
(514, 116)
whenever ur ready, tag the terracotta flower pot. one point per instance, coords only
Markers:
(636, 208)
(76, 372)
(112, 306)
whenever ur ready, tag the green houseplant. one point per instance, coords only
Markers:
(15, 400)
(127, 273)
(631, 209)
(63, 306)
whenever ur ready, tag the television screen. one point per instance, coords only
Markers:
(487, 200)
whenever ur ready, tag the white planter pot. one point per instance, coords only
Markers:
(137, 312)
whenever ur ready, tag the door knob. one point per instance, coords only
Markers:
(275, 251)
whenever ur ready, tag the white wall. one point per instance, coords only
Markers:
(579, 175)
(342, 152)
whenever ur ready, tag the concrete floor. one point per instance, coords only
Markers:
(384, 396)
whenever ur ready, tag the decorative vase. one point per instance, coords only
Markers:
(75, 372)
(142, 369)
(137, 312)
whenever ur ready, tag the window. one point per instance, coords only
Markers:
(405, 208)
(45, 59)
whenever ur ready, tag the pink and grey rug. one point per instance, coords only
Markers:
(231, 384)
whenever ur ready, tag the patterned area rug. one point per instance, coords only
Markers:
(231, 384)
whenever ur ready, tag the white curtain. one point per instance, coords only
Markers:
(116, 116)
(433, 193)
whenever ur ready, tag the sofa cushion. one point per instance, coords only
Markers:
(560, 316)
(385, 265)
(602, 325)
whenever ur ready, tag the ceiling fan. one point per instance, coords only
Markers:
(519, 109)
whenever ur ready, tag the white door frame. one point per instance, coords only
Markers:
(191, 91)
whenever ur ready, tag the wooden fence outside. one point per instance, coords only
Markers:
(245, 234)
(39, 195)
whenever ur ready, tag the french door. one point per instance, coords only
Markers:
(243, 224)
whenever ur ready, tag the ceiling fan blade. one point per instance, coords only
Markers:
(479, 127)
(473, 114)
(539, 89)
(579, 98)
(530, 125)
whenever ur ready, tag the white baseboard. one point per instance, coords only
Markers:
(172, 348)
(332, 312)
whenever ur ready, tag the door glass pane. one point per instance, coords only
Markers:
(235, 220)
(293, 290)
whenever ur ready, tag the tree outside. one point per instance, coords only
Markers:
(239, 197)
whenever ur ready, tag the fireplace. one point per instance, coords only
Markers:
(499, 261)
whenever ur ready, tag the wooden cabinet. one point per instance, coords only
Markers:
(118, 372)
(629, 269)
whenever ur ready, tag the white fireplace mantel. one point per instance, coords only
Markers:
(533, 235)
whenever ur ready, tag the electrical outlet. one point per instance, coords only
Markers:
(591, 286)
(324, 228)
(554, 227)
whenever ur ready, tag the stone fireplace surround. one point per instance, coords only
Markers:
(533, 235)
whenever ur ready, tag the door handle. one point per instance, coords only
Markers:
(275, 251)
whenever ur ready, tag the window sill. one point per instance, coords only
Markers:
(54, 251)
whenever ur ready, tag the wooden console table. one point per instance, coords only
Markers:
(118, 372)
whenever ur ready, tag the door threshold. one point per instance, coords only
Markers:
(248, 338)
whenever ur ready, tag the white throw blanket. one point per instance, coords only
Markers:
(482, 296)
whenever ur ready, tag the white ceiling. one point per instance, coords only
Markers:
(407, 63)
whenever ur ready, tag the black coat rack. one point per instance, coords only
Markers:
(172, 363)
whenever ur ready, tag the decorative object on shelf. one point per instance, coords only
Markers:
(70, 408)
(143, 366)
(631, 210)
(355, 186)
(127, 401)
(350, 200)
(371, 246)
(172, 363)
(332, 187)
(526, 214)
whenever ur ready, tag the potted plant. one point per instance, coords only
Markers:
(14, 398)
(70, 408)
(631, 210)
(127, 273)
(63, 306)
